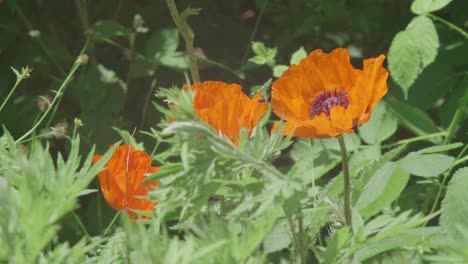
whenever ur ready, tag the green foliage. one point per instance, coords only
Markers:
(412, 50)
(421, 7)
(271, 198)
(31, 185)
(263, 54)
(454, 210)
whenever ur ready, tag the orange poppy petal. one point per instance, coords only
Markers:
(319, 127)
(210, 93)
(123, 177)
(226, 108)
(370, 87)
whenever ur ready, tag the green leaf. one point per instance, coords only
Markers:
(298, 55)
(426, 165)
(454, 214)
(412, 50)
(382, 189)
(424, 33)
(263, 55)
(259, 48)
(421, 7)
(108, 29)
(176, 60)
(381, 125)
(162, 42)
(441, 148)
(278, 239)
(142, 67)
(404, 60)
(413, 118)
(279, 70)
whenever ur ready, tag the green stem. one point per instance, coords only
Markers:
(111, 224)
(347, 183)
(450, 25)
(456, 118)
(257, 23)
(188, 36)
(302, 244)
(80, 224)
(75, 66)
(222, 66)
(295, 240)
(415, 139)
(18, 80)
(146, 103)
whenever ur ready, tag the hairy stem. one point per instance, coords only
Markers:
(188, 36)
(347, 184)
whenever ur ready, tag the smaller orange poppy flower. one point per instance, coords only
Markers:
(325, 96)
(226, 108)
(125, 171)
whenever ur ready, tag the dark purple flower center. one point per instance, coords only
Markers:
(324, 101)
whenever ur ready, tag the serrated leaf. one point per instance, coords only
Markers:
(381, 125)
(455, 206)
(403, 60)
(426, 165)
(382, 189)
(421, 7)
(298, 55)
(425, 36)
(412, 50)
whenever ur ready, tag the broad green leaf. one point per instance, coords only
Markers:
(163, 42)
(108, 29)
(278, 239)
(421, 7)
(381, 125)
(382, 189)
(426, 165)
(298, 55)
(404, 60)
(279, 70)
(412, 50)
(424, 33)
(413, 118)
(454, 214)
(142, 67)
(176, 60)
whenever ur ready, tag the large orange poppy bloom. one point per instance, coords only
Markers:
(325, 96)
(125, 171)
(226, 108)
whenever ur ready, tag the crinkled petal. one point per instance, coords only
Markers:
(370, 87)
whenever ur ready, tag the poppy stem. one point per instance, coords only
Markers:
(187, 34)
(347, 184)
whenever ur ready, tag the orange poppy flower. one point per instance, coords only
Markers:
(125, 172)
(325, 96)
(226, 108)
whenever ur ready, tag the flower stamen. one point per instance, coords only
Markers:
(325, 101)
